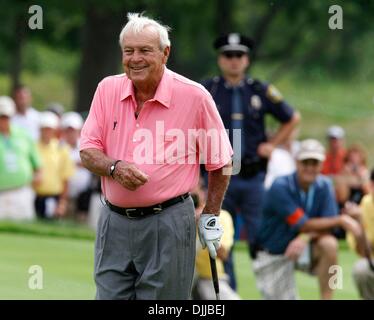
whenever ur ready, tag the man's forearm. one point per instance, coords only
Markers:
(286, 130)
(96, 161)
(217, 186)
(320, 224)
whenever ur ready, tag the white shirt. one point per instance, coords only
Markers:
(29, 122)
(82, 177)
(281, 163)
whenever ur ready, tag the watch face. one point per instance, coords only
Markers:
(112, 167)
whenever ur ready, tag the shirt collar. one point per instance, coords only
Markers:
(239, 85)
(163, 92)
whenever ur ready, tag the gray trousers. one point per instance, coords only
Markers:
(150, 258)
(364, 279)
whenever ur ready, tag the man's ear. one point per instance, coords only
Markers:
(166, 53)
(248, 61)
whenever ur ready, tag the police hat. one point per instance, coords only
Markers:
(233, 42)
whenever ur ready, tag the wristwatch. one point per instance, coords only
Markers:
(113, 167)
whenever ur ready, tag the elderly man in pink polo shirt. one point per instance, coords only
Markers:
(147, 132)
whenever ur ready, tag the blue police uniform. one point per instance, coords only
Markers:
(245, 192)
(244, 107)
(287, 207)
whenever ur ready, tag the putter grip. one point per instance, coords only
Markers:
(213, 268)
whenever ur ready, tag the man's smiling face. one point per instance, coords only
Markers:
(142, 57)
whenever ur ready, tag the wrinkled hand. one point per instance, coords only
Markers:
(295, 248)
(210, 233)
(129, 176)
(265, 149)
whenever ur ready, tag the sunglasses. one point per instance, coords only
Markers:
(233, 54)
(310, 162)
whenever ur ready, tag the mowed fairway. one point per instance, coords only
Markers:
(68, 266)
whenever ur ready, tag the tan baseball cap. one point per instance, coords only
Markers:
(311, 149)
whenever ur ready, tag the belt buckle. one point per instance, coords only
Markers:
(157, 209)
(127, 213)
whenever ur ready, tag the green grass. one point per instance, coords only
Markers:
(307, 285)
(67, 266)
(61, 229)
(65, 252)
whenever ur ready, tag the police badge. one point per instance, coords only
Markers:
(255, 102)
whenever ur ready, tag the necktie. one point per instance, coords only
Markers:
(237, 117)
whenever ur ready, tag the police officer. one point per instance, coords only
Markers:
(243, 103)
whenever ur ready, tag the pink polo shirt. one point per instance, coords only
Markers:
(174, 131)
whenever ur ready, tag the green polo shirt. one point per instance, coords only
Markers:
(18, 159)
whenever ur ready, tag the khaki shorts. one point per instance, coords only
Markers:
(275, 274)
(17, 204)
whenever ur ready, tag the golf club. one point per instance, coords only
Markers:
(213, 269)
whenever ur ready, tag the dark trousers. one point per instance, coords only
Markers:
(245, 196)
(42, 205)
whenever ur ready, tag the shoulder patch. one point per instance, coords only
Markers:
(273, 94)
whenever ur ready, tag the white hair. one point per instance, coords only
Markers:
(137, 23)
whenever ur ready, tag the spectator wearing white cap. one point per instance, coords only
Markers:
(79, 184)
(299, 213)
(52, 192)
(19, 166)
(26, 116)
(334, 162)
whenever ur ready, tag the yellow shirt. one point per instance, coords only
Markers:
(57, 167)
(367, 208)
(227, 240)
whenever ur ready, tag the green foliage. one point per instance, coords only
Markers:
(43, 59)
(288, 32)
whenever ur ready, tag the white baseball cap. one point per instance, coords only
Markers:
(48, 119)
(335, 132)
(72, 120)
(7, 106)
(311, 149)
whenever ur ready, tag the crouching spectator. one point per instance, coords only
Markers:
(203, 286)
(299, 213)
(363, 275)
(19, 167)
(52, 192)
(80, 184)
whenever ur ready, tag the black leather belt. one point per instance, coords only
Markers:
(142, 212)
